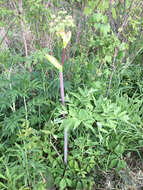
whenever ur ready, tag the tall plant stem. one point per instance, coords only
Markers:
(26, 112)
(61, 79)
(65, 145)
(62, 88)
(63, 103)
(63, 56)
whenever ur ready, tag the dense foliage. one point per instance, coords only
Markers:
(103, 85)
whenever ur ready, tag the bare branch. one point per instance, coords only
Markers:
(100, 67)
(78, 30)
(10, 25)
(20, 10)
(110, 17)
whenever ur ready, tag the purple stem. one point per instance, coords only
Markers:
(62, 88)
(63, 56)
(63, 103)
(65, 145)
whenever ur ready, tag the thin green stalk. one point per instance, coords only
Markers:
(26, 112)
(10, 85)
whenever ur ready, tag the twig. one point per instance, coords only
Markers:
(10, 25)
(100, 67)
(55, 148)
(43, 178)
(22, 26)
(133, 58)
(112, 72)
(78, 30)
(111, 19)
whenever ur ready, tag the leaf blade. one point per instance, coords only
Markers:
(54, 62)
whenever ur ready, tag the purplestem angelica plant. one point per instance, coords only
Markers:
(66, 38)
(60, 25)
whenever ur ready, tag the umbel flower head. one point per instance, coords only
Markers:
(61, 22)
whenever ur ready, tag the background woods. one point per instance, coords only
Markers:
(102, 76)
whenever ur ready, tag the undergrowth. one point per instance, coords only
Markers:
(102, 108)
(103, 133)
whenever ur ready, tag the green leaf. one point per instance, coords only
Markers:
(63, 183)
(119, 149)
(83, 115)
(74, 164)
(98, 17)
(90, 7)
(76, 123)
(105, 28)
(114, 13)
(121, 165)
(2, 176)
(55, 62)
(69, 182)
(108, 58)
(113, 163)
(120, 54)
(140, 142)
(87, 11)
(89, 126)
(2, 185)
(70, 123)
(67, 123)
(71, 163)
(104, 5)
(79, 185)
(76, 167)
